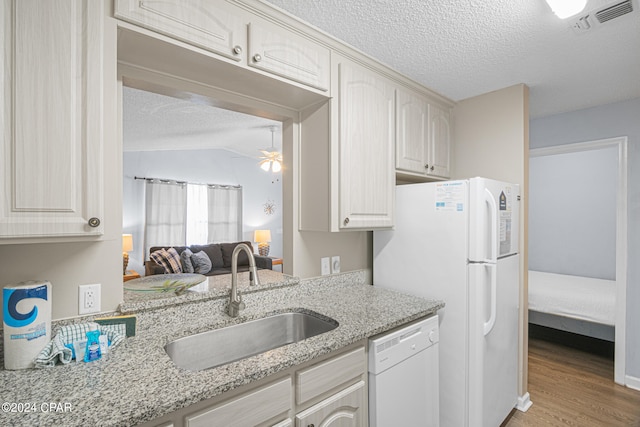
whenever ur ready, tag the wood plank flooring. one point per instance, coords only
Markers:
(571, 387)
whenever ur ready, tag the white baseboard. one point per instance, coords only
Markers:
(524, 402)
(632, 382)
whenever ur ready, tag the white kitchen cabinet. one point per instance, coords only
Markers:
(423, 136)
(365, 132)
(52, 118)
(214, 25)
(279, 51)
(250, 409)
(439, 141)
(412, 132)
(227, 29)
(344, 409)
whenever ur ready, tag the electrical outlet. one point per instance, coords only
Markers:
(325, 266)
(335, 264)
(89, 298)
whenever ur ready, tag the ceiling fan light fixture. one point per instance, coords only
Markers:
(566, 8)
(271, 160)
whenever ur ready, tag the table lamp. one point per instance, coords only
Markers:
(127, 246)
(262, 237)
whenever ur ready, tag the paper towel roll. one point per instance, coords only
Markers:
(27, 322)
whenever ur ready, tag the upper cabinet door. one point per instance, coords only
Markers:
(52, 118)
(366, 136)
(289, 55)
(214, 25)
(412, 132)
(440, 141)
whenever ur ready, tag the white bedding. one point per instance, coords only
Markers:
(582, 298)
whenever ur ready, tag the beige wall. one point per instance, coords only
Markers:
(491, 134)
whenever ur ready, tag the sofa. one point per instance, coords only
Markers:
(218, 253)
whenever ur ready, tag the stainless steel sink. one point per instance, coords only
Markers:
(225, 345)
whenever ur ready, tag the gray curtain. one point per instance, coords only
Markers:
(166, 213)
(225, 213)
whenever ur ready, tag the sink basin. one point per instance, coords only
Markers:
(225, 345)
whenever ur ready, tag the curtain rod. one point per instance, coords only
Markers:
(185, 182)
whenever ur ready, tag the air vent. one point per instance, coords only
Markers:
(614, 11)
(593, 19)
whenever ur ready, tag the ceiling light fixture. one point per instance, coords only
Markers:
(271, 159)
(566, 8)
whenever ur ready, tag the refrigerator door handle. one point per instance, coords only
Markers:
(488, 325)
(493, 220)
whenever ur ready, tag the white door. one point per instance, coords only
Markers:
(493, 341)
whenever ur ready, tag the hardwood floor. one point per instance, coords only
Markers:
(571, 387)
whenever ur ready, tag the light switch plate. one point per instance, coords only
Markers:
(325, 266)
(335, 264)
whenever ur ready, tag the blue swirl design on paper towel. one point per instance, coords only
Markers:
(11, 298)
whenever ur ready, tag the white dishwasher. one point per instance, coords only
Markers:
(403, 376)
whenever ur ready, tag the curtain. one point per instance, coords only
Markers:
(166, 212)
(225, 213)
(197, 215)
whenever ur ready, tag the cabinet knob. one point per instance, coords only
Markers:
(257, 57)
(346, 221)
(94, 222)
(237, 50)
(311, 425)
(426, 166)
(431, 168)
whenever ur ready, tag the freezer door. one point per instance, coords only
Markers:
(494, 212)
(493, 341)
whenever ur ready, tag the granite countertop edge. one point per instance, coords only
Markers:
(103, 393)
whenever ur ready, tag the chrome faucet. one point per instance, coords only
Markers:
(235, 300)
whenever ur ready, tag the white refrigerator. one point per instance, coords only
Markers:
(457, 241)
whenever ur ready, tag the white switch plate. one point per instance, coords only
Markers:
(89, 298)
(335, 264)
(325, 266)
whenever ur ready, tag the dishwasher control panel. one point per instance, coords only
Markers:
(394, 347)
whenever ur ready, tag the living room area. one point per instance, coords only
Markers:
(196, 175)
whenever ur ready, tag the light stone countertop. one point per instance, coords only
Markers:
(137, 381)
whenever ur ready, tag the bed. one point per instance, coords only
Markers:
(581, 305)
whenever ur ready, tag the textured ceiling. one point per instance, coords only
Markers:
(464, 48)
(459, 48)
(157, 122)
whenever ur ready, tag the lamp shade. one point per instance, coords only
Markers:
(262, 236)
(127, 243)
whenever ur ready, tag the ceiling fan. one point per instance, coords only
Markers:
(271, 160)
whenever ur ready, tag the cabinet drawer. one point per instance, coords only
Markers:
(346, 408)
(248, 410)
(317, 379)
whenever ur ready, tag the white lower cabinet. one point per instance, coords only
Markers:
(330, 391)
(343, 409)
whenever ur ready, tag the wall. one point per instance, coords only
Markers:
(491, 139)
(202, 166)
(619, 119)
(572, 213)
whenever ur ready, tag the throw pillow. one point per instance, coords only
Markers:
(185, 258)
(168, 259)
(213, 252)
(201, 262)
